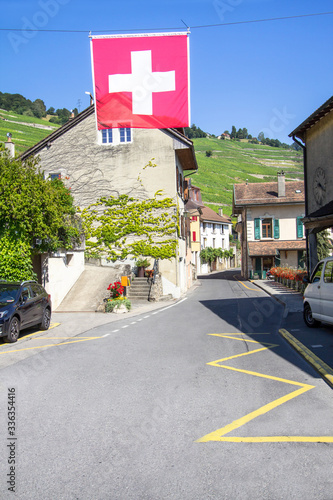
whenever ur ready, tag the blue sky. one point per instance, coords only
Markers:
(266, 76)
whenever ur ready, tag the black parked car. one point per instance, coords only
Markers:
(23, 304)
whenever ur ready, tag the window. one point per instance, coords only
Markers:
(214, 245)
(328, 274)
(55, 176)
(194, 218)
(125, 135)
(299, 225)
(222, 229)
(316, 275)
(107, 136)
(205, 242)
(266, 228)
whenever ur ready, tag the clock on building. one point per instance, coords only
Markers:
(319, 185)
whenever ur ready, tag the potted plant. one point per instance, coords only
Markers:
(141, 264)
(117, 303)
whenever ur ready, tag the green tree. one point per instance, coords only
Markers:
(233, 134)
(32, 208)
(261, 137)
(324, 245)
(39, 108)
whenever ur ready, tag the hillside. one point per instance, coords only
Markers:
(231, 161)
(25, 130)
(234, 162)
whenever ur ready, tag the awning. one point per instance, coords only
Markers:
(269, 248)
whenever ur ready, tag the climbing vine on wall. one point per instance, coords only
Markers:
(117, 227)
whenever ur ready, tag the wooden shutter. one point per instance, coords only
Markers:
(257, 229)
(299, 227)
(194, 236)
(276, 229)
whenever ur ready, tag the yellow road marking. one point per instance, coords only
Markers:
(51, 345)
(219, 434)
(241, 282)
(52, 325)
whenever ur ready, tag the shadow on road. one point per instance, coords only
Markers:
(254, 316)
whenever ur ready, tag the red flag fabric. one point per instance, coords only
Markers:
(141, 81)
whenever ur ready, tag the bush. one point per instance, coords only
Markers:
(15, 259)
(116, 303)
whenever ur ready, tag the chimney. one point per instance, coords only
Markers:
(221, 212)
(281, 185)
(10, 146)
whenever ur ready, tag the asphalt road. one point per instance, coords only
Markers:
(200, 400)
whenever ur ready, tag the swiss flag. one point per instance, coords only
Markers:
(141, 81)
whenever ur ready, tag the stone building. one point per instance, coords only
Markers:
(316, 134)
(111, 162)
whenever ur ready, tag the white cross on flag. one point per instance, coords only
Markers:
(141, 81)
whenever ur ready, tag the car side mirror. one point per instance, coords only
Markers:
(306, 279)
(24, 298)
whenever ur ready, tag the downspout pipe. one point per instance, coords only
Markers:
(306, 199)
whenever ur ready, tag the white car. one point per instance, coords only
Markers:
(318, 295)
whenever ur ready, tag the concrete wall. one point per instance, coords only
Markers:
(319, 148)
(61, 274)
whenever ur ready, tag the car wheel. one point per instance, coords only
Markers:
(309, 320)
(14, 330)
(45, 324)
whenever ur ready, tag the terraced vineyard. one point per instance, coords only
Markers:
(25, 130)
(231, 161)
(234, 162)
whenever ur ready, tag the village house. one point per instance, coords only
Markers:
(316, 134)
(111, 162)
(270, 225)
(215, 230)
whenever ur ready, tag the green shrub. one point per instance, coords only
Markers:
(112, 304)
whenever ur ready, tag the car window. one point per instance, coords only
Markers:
(328, 274)
(26, 292)
(35, 290)
(317, 273)
(41, 290)
(8, 293)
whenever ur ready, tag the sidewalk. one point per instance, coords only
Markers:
(303, 339)
(292, 300)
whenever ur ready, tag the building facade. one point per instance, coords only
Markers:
(270, 225)
(135, 162)
(316, 134)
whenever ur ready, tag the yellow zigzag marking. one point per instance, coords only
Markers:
(219, 434)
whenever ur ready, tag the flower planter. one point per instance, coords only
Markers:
(120, 310)
(141, 272)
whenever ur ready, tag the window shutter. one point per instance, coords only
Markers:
(257, 229)
(299, 227)
(194, 236)
(276, 229)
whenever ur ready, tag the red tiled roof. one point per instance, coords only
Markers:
(266, 193)
(268, 248)
(209, 215)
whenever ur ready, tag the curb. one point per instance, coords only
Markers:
(322, 368)
(269, 293)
